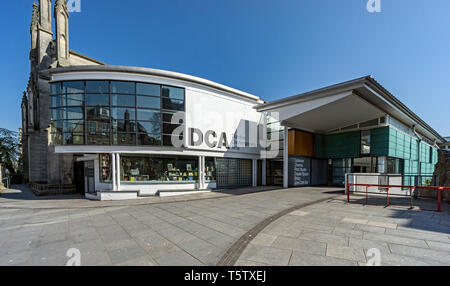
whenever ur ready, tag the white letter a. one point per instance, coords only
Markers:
(374, 6)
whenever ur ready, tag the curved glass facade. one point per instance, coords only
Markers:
(113, 112)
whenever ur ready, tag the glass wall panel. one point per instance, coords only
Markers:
(113, 108)
(123, 100)
(148, 102)
(123, 113)
(124, 87)
(148, 89)
(73, 87)
(210, 169)
(73, 139)
(158, 169)
(173, 92)
(97, 87)
(97, 99)
(148, 115)
(149, 139)
(105, 168)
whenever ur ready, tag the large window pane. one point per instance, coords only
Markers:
(122, 87)
(98, 139)
(127, 126)
(169, 128)
(55, 88)
(167, 139)
(149, 115)
(148, 89)
(173, 104)
(149, 127)
(56, 126)
(123, 113)
(148, 102)
(124, 139)
(56, 138)
(97, 113)
(73, 139)
(66, 100)
(97, 99)
(210, 169)
(149, 139)
(173, 92)
(73, 113)
(73, 87)
(122, 100)
(73, 126)
(94, 127)
(97, 87)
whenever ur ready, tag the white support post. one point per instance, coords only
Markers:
(204, 172)
(113, 171)
(255, 172)
(263, 173)
(118, 170)
(200, 173)
(286, 158)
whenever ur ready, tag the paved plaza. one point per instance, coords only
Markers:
(263, 226)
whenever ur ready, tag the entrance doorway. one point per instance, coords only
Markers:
(79, 177)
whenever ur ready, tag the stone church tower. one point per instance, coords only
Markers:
(48, 50)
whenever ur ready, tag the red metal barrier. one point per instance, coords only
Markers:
(412, 189)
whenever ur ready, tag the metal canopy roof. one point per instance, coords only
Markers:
(344, 104)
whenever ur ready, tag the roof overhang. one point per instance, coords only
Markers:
(345, 104)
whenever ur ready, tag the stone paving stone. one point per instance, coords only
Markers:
(347, 232)
(305, 259)
(278, 230)
(299, 213)
(243, 262)
(395, 239)
(369, 228)
(326, 238)
(389, 259)
(412, 233)
(92, 252)
(348, 253)
(313, 247)
(127, 253)
(355, 220)
(140, 261)
(421, 253)
(368, 244)
(118, 244)
(382, 224)
(264, 239)
(268, 255)
(177, 258)
(306, 227)
(15, 258)
(439, 246)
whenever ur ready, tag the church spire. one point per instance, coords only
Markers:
(45, 14)
(34, 25)
(61, 15)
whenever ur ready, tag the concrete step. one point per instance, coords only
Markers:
(166, 193)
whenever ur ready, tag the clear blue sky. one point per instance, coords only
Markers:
(268, 48)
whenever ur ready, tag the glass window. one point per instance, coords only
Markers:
(105, 168)
(73, 126)
(173, 92)
(73, 113)
(124, 126)
(98, 139)
(122, 87)
(148, 115)
(148, 89)
(55, 88)
(98, 127)
(73, 139)
(148, 102)
(97, 113)
(210, 169)
(167, 117)
(155, 169)
(56, 125)
(169, 128)
(167, 139)
(149, 127)
(122, 100)
(124, 138)
(365, 142)
(149, 139)
(97, 87)
(123, 113)
(97, 99)
(73, 87)
(57, 138)
(173, 104)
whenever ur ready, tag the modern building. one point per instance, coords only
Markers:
(119, 132)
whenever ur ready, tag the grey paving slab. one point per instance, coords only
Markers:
(268, 255)
(395, 239)
(305, 259)
(313, 246)
(348, 253)
(421, 253)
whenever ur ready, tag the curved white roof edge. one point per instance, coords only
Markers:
(153, 72)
